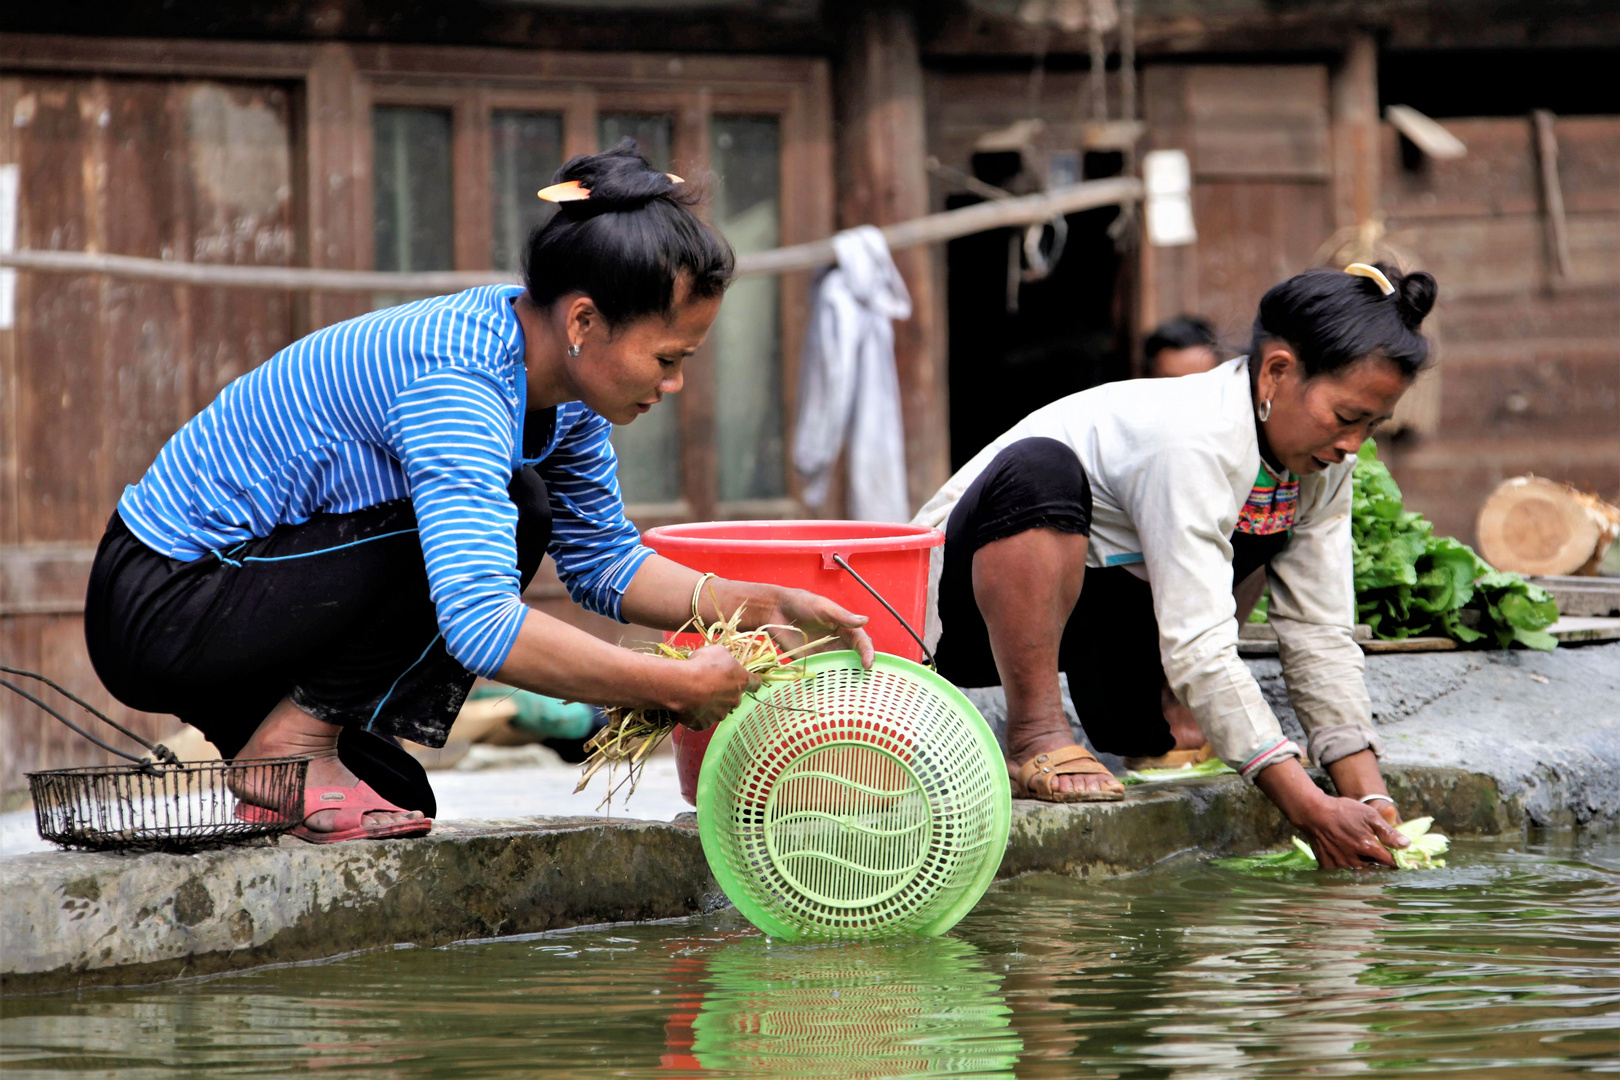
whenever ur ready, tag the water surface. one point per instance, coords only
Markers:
(1506, 963)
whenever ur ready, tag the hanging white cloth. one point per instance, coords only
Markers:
(848, 387)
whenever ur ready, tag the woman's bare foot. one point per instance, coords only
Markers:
(291, 732)
(1185, 729)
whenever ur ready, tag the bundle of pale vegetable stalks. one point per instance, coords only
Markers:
(632, 734)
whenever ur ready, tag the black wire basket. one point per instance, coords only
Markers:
(160, 803)
(163, 807)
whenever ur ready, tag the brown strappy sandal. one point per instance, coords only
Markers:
(1034, 780)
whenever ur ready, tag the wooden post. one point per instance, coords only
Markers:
(337, 179)
(1552, 192)
(1356, 134)
(1167, 276)
(882, 179)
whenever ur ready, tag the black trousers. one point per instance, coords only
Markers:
(1110, 646)
(333, 613)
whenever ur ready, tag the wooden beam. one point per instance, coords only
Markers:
(336, 179)
(155, 56)
(1355, 133)
(1552, 191)
(251, 277)
(883, 180)
(1427, 135)
(938, 228)
(929, 229)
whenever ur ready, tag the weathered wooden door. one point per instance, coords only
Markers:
(96, 373)
(1258, 139)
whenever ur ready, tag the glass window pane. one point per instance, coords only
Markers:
(410, 168)
(650, 448)
(746, 154)
(653, 135)
(649, 451)
(525, 151)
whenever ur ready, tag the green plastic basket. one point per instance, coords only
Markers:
(854, 804)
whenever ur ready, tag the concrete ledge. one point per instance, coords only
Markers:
(75, 920)
(80, 919)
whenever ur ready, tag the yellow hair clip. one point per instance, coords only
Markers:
(574, 191)
(1377, 275)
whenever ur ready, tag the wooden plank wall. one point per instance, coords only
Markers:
(1259, 141)
(1531, 360)
(99, 372)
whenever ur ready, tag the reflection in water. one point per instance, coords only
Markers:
(1505, 964)
(918, 1008)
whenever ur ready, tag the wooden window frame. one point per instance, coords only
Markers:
(690, 91)
(336, 86)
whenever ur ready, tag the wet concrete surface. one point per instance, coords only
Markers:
(1545, 727)
(79, 919)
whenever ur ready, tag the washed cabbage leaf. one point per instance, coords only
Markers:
(1422, 854)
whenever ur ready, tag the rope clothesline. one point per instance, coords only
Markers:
(934, 228)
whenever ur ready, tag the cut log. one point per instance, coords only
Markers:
(1532, 525)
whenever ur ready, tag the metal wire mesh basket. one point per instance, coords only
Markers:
(162, 807)
(163, 804)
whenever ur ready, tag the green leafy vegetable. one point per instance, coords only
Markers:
(1297, 857)
(1420, 855)
(1212, 767)
(1425, 846)
(1410, 582)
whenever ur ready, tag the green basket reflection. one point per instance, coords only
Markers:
(919, 1007)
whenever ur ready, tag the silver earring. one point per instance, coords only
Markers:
(1264, 412)
(573, 350)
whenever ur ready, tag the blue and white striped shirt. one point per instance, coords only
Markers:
(424, 401)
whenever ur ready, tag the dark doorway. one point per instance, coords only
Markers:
(1064, 336)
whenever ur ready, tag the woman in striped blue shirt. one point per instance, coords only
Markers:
(322, 561)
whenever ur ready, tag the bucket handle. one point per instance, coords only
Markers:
(840, 561)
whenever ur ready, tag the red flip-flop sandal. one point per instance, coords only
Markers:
(352, 805)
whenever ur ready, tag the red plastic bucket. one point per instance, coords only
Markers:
(892, 558)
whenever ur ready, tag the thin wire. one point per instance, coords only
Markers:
(839, 559)
(163, 753)
(69, 723)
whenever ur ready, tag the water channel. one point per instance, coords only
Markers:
(1504, 964)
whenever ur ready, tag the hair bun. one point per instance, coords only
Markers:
(618, 179)
(1414, 296)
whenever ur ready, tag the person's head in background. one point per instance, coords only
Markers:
(1185, 345)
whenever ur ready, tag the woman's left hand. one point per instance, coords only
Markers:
(1357, 776)
(818, 617)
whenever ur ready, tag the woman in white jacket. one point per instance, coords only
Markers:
(1105, 534)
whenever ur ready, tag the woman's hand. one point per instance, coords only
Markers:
(1356, 775)
(713, 685)
(1346, 833)
(818, 617)
(1342, 832)
(662, 594)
